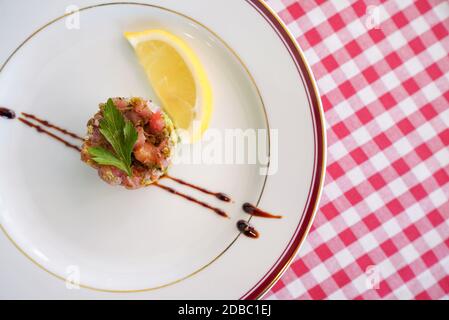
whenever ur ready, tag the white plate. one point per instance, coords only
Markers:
(149, 244)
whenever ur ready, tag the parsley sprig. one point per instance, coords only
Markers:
(122, 136)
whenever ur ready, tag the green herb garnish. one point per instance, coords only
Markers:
(122, 136)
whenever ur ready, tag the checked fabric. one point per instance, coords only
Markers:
(382, 230)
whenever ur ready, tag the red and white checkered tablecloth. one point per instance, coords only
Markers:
(382, 230)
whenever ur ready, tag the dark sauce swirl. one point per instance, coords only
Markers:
(48, 133)
(50, 125)
(192, 199)
(247, 229)
(252, 210)
(219, 195)
(7, 113)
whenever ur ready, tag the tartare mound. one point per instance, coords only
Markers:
(152, 152)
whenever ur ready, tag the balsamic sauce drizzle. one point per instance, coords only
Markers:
(219, 195)
(42, 130)
(50, 125)
(7, 113)
(252, 210)
(192, 199)
(247, 229)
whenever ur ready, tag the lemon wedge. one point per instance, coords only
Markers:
(178, 78)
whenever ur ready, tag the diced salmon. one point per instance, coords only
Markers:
(156, 123)
(147, 154)
(120, 103)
